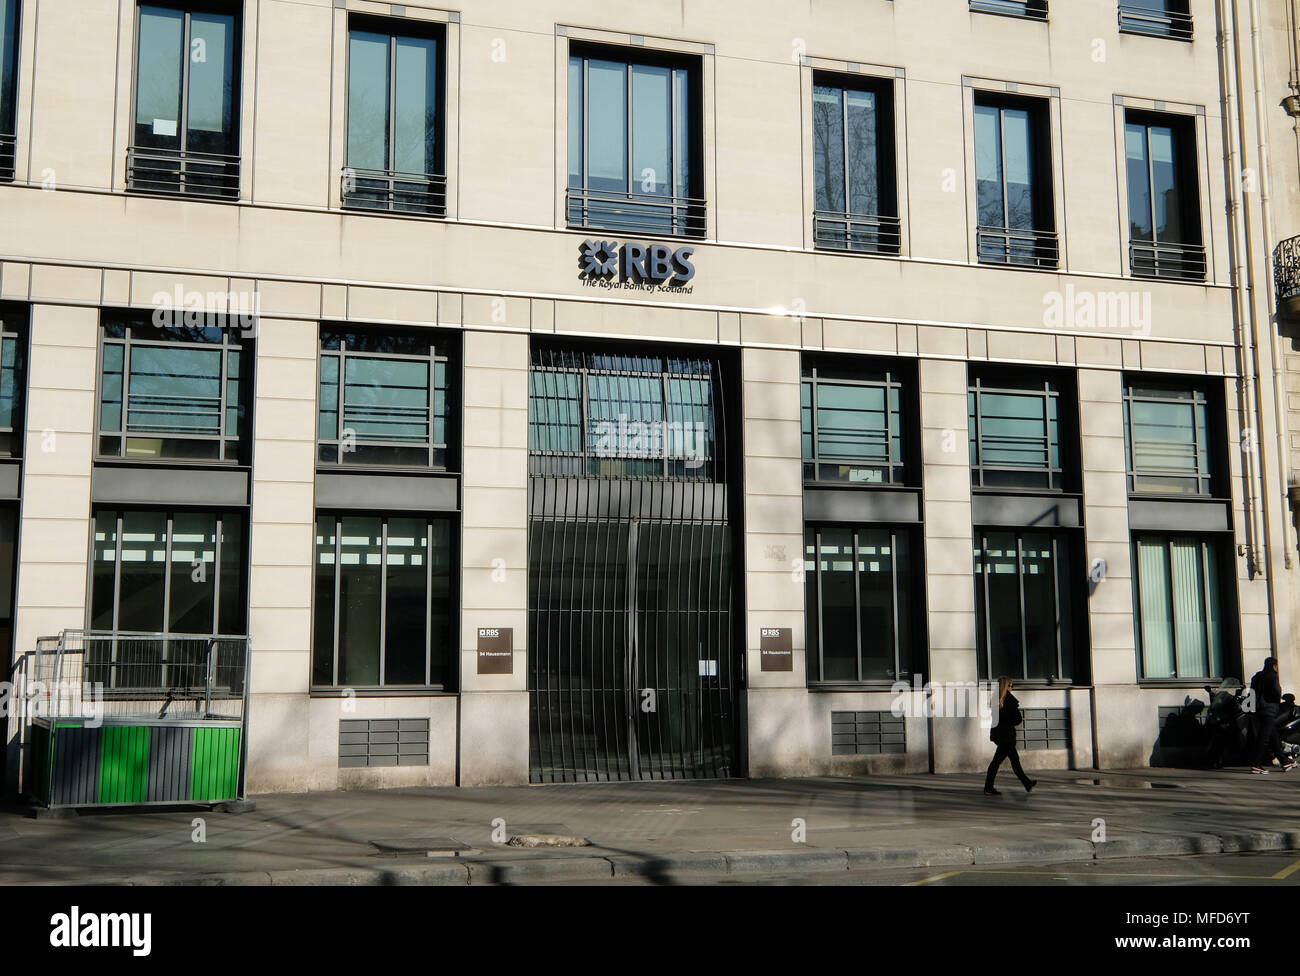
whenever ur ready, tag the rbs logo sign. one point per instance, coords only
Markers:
(637, 264)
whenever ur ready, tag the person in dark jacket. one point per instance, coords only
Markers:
(1267, 687)
(1003, 735)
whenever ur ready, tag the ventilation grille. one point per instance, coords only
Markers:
(384, 742)
(1044, 728)
(867, 733)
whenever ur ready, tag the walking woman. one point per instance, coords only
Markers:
(1003, 735)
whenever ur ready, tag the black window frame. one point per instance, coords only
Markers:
(390, 190)
(233, 450)
(1037, 247)
(444, 348)
(449, 665)
(847, 230)
(1173, 23)
(9, 120)
(1211, 480)
(900, 376)
(907, 662)
(1174, 260)
(183, 172)
(584, 207)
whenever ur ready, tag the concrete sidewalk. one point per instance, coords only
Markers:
(670, 832)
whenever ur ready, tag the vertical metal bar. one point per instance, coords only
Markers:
(1167, 551)
(1020, 580)
(336, 522)
(988, 622)
(1205, 599)
(821, 631)
(428, 598)
(216, 578)
(221, 394)
(383, 597)
(857, 600)
(1056, 602)
(169, 528)
(634, 759)
(893, 601)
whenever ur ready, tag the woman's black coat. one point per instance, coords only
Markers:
(1004, 733)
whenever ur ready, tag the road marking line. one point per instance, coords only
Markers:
(937, 877)
(1286, 871)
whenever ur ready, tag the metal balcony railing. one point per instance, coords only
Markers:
(1178, 262)
(8, 146)
(1009, 245)
(186, 173)
(1033, 9)
(1137, 19)
(872, 233)
(1286, 272)
(398, 192)
(639, 213)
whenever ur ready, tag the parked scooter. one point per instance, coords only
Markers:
(1233, 740)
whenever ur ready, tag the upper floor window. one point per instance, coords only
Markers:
(395, 118)
(852, 423)
(1013, 182)
(9, 23)
(172, 393)
(186, 133)
(1167, 440)
(1036, 9)
(1015, 434)
(622, 415)
(853, 161)
(13, 380)
(635, 161)
(1159, 18)
(384, 399)
(1164, 210)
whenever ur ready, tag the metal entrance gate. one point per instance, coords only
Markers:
(632, 671)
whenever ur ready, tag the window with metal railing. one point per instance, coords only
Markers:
(856, 205)
(1015, 434)
(9, 26)
(852, 425)
(1164, 208)
(185, 137)
(1031, 9)
(177, 394)
(1167, 439)
(1156, 18)
(1015, 209)
(395, 121)
(622, 416)
(384, 398)
(635, 142)
(1286, 271)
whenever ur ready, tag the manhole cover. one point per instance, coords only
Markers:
(424, 846)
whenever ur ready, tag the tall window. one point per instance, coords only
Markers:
(384, 610)
(1158, 18)
(172, 393)
(9, 22)
(852, 425)
(1180, 623)
(173, 572)
(1167, 440)
(13, 380)
(1024, 605)
(1013, 182)
(616, 415)
(395, 119)
(1163, 198)
(384, 399)
(186, 134)
(635, 161)
(853, 163)
(860, 613)
(1015, 434)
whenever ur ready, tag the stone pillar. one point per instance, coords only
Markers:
(958, 743)
(494, 556)
(782, 740)
(54, 530)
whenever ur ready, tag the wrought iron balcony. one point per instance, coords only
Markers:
(1136, 18)
(1032, 9)
(871, 233)
(1178, 262)
(184, 173)
(8, 144)
(390, 190)
(1286, 276)
(1010, 245)
(638, 213)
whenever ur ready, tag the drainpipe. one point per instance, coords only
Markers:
(1244, 260)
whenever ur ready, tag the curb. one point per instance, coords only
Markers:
(698, 866)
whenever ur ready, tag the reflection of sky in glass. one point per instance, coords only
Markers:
(988, 166)
(606, 125)
(210, 78)
(828, 148)
(651, 129)
(158, 84)
(8, 57)
(415, 138)
(368, 100)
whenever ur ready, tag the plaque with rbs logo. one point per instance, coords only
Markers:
(496, 650)
(776, 649)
